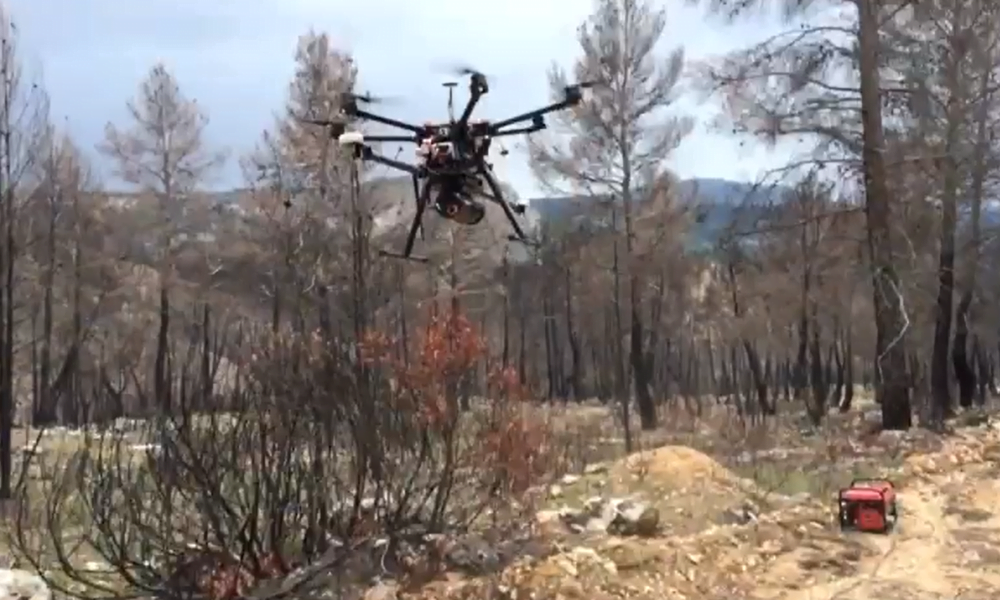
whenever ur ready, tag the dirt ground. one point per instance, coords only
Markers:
(947, 544)
(749, 513)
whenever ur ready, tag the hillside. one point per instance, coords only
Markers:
(721, 204)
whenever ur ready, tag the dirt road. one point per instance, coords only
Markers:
(947, 546)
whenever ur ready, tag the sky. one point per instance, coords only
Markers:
(236, 59)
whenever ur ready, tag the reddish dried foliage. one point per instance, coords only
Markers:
(511, 445)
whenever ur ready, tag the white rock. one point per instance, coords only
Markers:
(594, 505)
(570, 479)
(596, 525)
(18, 584)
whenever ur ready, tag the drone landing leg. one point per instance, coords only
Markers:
(422, 201)
(499, 198)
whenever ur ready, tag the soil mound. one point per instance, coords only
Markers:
(674, 466)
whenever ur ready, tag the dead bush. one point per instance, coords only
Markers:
(332, 462)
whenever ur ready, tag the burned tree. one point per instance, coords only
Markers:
(23, 120)
(620, 138)
(162, 154)
(793, 84)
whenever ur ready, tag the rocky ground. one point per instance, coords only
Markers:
(699, 518)
(672, 523)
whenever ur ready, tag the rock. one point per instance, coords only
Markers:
(555, 491)
(596, 525)
(472, 554)
(609, 510)
(627, 517)
(383, 591)
(572, 515)
(643, 521)
(738, 516)
(16, 584)
(595, 469)
(594, 506)
(570, 479)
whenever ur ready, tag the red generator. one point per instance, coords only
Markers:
(868, 505)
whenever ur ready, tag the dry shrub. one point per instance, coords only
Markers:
(323, 448)
(495, 443)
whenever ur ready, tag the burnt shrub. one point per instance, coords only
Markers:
(317, 463)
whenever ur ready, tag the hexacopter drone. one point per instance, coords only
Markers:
(452, 168)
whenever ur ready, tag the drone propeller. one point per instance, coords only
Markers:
(370, 99)
(465, 70)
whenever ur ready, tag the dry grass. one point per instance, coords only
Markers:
(696, 471)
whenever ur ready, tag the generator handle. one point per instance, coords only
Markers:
(855, 482)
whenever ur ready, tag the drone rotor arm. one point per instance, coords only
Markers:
(572, 96)
(530, 115)
(367, 154)
(533, 128)
(368, 116)
(392, 138)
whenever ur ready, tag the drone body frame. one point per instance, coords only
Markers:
(469, 140)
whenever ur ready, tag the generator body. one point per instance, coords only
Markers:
(869, 505)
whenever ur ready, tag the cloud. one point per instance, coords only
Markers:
(235, 58)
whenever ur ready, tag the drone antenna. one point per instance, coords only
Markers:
(451, 99)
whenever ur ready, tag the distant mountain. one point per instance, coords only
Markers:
(721, 204)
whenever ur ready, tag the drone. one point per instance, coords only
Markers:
(452, 171)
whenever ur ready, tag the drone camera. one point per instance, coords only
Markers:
(464, 211)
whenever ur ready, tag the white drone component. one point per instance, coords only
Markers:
(351, 138)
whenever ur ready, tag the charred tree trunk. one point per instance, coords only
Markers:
(622, 382)
(964, 373)
(892, 381)
(576, 375)
(940, 373)
(753, 359)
